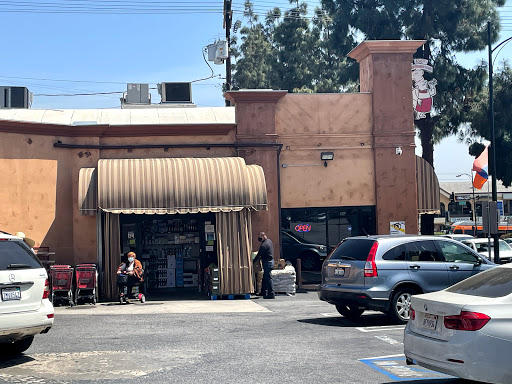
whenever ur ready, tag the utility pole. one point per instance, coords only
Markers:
(228, 18)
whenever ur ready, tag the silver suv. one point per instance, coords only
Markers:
(25, 308)
(382, 272)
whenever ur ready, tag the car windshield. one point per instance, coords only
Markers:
(353, 249)
(495, 282)
(14, 255)
(484, 247)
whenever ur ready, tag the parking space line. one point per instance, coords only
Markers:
(388, 340)
(380, 328)
(395, 368)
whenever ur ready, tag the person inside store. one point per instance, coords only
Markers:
(133, 268)
(266, 255)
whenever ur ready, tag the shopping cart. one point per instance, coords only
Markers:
(86, 283)
(61, 277)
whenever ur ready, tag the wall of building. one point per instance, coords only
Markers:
(36, 192)
(308, 125)
(39, 189)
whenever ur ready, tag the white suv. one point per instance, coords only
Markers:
(25, 309)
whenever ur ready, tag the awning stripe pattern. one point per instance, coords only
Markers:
(179, 185)
(428, 188)
(87, 196)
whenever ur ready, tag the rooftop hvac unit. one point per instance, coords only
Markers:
(15, 97)
(137, 94)
(175, 92)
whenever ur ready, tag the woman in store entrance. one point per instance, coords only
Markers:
(133, 268)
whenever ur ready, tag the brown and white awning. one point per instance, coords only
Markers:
(172, 185)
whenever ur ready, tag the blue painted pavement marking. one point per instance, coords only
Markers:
(397, 369)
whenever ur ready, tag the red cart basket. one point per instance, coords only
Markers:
(86, 283)
(61, 277)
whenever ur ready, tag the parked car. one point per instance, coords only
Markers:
(311, 255)
(458, 236)
(382, 272)
(508, 240)
(25, 308)
(481, 245)
(465, 330)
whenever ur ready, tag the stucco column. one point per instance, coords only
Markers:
(255, 112)
(385, 72)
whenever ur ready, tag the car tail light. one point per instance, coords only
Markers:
(412, 313)
(370, 268)
(46, 292)
(466, 321)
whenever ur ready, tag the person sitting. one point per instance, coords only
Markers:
(133, 268)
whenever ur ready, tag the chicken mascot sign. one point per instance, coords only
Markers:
(422, 90)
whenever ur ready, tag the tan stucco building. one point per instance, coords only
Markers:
(370, 182)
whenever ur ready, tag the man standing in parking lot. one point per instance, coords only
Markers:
(266, 255)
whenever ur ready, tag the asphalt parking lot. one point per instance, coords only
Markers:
(293, 339)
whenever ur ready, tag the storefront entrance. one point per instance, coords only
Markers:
(182, 217)
(176, 251)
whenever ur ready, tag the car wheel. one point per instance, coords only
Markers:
(400, 310)
(349, 311)
(18, 347)
(309, 261)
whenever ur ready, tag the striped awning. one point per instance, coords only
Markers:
(87, 191)
(428, 188)
(178, 185)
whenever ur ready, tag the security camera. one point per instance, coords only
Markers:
(399, 151)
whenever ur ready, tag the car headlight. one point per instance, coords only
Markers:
(322, 248)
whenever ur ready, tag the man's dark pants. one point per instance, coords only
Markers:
(267, 286)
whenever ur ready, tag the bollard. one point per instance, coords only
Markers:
(299, 275)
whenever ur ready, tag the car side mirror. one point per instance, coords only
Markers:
(478, 261)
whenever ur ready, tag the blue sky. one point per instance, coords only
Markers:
(103, 52)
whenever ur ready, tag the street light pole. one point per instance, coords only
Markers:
(474, 202)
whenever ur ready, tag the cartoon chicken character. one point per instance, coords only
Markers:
(422, 90)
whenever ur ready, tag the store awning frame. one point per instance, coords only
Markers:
(173, 186)
(428, 190)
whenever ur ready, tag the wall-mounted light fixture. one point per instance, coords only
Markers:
(398, 150)
(326, 156)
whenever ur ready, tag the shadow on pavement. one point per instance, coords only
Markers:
(436, 381)
(14, 361)
(340, 321)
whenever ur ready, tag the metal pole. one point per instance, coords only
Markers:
(474, 206)
(227, 19)
(495, 236)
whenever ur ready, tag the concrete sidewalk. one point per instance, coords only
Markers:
(163, 307)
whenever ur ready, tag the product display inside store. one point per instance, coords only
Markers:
(176, 251)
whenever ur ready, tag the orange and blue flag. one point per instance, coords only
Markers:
(480, 166)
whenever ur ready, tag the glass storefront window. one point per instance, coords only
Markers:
(329, 226)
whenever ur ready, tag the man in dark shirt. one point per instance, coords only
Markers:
(266, 255)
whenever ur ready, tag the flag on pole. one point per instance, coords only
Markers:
(480, 166)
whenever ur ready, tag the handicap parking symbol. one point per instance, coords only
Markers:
(397, 369)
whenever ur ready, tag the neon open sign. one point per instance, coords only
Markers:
(303, 227)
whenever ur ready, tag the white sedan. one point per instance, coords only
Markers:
(466, 329)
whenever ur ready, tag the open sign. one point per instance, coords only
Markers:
(303, 228)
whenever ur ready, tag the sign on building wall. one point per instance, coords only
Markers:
(422, 90)
(397, 227)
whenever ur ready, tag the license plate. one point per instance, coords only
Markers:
(429, 321)
(339, 272)
(11, 294)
